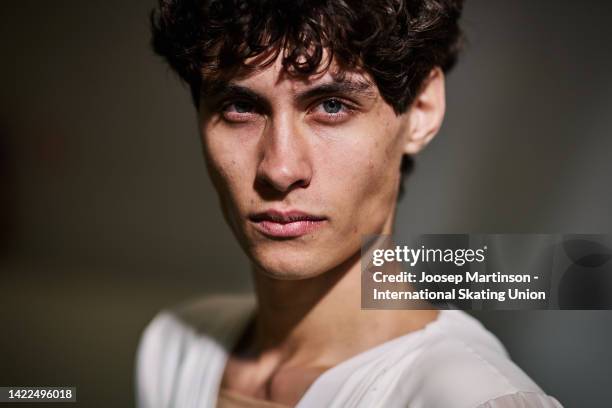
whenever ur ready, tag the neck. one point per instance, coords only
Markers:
(320, 320)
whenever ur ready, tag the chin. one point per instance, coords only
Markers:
(288, 264)
(300, 263)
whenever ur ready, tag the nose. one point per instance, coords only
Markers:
(285, 162)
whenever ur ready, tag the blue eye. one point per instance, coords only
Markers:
(332, 106)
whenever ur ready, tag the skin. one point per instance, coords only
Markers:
(327, 148)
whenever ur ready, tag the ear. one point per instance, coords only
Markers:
(426, 113)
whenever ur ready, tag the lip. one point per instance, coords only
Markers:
(286, 224)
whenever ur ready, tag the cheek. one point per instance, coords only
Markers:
(227, 164)
(366, 177)
(379, 187)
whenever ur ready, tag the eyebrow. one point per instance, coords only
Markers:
(342, 87)
(221, 90)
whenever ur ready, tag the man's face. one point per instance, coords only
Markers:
(303, 167)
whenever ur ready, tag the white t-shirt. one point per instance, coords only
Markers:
(454, 362)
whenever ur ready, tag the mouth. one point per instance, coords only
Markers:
(286, 224)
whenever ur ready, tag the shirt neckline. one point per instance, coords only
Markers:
(241, 324)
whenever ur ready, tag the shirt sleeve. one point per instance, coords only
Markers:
(522, 400)
(157, 361)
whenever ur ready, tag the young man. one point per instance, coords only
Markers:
(307, 110)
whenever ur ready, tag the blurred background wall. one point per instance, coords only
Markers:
(107, 214)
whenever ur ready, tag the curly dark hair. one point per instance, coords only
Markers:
(397, 42)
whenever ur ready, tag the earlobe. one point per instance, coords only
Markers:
(426, 113)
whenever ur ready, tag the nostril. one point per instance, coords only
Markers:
(285, 175)
(300, 184)
(268, 190)
(278, 181)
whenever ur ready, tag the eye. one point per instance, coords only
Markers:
(332, 110)
(239, 107)
(332, 106)
(239, 111)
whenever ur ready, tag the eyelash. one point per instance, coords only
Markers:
(347, 109)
